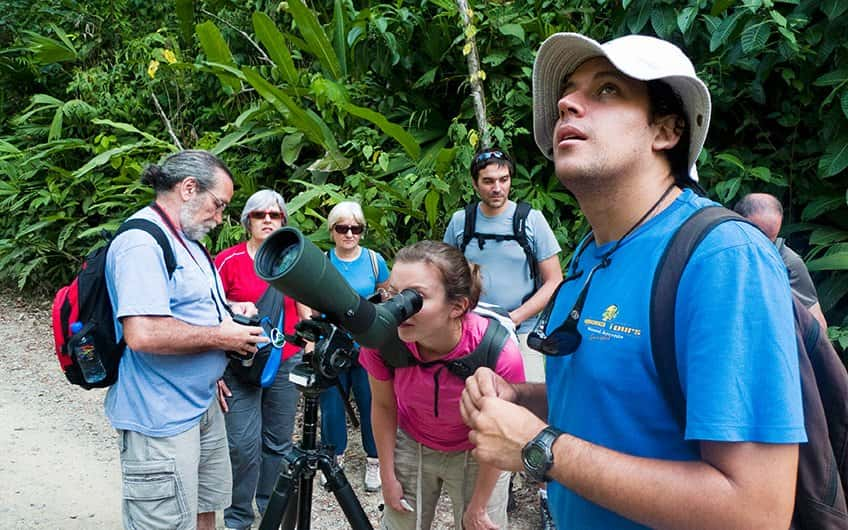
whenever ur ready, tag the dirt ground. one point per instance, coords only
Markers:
(59, 457)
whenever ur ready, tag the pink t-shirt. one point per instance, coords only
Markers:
(415, 388)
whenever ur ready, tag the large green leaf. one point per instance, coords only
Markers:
(686, 18)
(833, 8)
(272, 38)
(410, 145)
(664, 21)
(514, 30)
(831, 262)
(339, 33)
(217, 51)
(836, 77)
(827, 236)
(126, 127)
(755, 36)
(305, 121)
(185, 14)
(637, 18)
(723, 32)
(821, 205)
(843, 102)
(315, 37)
(835, 159)
(106, 156)
(48, 50)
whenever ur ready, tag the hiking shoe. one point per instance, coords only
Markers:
(372, 474)
(546, 519)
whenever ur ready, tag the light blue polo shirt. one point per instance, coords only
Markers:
(162, 395)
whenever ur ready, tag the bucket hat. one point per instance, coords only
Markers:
(638, 56)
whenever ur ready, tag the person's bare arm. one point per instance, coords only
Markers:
(734, 485)
(551, 274)
(170, 336)
(384, 425)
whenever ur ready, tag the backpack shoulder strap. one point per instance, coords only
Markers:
(485, 354)
(664, 297)
(470, 223)
(154, 230)
(519, 231)
(374, 265)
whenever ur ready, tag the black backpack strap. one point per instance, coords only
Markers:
(485, 354)
(519, 231)
(470, 223)
(664, 297)
(156, 232)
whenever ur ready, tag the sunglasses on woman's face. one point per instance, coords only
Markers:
(259, 215)
(354, 229)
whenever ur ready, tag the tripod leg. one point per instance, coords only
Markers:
(280, 501)
(338, 484)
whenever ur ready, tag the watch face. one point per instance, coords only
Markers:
(535, 456)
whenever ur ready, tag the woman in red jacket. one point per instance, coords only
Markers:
(260, 420)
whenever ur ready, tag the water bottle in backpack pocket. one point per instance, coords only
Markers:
(85, 354)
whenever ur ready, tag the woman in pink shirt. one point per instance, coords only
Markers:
(422, 442)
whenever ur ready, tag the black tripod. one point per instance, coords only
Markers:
(299, 465)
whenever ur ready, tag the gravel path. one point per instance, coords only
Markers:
(58, 454)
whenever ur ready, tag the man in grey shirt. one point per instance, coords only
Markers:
(506, 269)
(765, 211)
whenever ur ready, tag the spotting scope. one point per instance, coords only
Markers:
(293, 265)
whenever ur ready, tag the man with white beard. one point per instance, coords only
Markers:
(174, 457)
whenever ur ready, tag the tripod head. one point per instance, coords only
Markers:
(334, 352)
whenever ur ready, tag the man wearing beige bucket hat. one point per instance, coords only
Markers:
(624, 123)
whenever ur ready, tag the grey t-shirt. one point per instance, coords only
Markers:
(506, 274)
(799, 277)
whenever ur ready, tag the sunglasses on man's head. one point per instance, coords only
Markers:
(354, 229)
(481, 159)
(259, 215)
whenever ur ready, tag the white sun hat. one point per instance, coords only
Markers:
(638, 56)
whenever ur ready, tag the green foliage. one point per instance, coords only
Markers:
(334, 99)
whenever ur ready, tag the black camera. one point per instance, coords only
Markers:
(255, 320)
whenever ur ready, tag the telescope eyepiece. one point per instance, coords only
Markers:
(404, 304)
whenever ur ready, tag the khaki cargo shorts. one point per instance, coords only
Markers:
(168, 481)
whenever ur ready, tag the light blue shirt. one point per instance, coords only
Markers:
(359, 273)
(162, 395)
(506, 273)
(735, 345)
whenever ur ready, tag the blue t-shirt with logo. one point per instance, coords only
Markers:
(506, 274)
(162, 395)
(735, 346)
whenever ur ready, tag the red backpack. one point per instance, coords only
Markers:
(86, 300)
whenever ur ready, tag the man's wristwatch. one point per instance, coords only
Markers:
(538, 455)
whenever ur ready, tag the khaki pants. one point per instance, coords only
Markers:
(168, 481)
(423, 472)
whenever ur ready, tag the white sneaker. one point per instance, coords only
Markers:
(372, 474)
